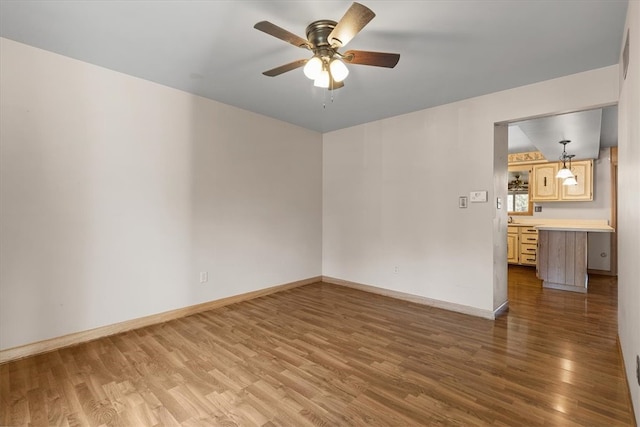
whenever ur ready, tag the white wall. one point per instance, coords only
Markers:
(629, 208)
(391, 187)
(115, 192)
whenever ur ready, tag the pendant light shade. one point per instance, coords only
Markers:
(564, 173)
(570, 181)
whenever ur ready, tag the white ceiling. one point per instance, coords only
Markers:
(588, 131)
(450, 50)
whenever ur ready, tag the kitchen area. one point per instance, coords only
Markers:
(562, 197)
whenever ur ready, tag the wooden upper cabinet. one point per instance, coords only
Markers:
(545, 183)
(583, 171)
(547, 188)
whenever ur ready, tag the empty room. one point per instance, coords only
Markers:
(383, 213)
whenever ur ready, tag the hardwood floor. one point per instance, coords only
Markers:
(328, 355)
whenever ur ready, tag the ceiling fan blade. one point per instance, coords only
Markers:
(282, 34)
(378, 59)
(351, 23)
(284, 68)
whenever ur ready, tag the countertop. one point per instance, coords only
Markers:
(563, 224)
(580, 227)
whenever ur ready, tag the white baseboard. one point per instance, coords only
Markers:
(458, 308)
(84, 336)
(504, 307)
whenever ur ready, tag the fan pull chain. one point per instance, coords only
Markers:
(324, 98)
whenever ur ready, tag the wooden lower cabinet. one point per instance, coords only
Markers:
(528, 239)
(512, 246)
(522, 245)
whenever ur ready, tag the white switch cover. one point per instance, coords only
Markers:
(478, 196)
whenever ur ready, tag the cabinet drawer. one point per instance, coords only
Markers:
(528, 230)
(512, 230)
(529, 239)
(528, 249)
(528, 259)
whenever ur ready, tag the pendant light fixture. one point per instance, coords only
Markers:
(565, 172)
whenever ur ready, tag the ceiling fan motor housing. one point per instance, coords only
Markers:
(318, 34)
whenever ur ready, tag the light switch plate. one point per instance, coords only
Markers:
(478, 196)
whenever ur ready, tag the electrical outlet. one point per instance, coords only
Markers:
(537, 208)
(396, 269)
(204, 277)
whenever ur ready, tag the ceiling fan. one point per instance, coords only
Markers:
(324, 37)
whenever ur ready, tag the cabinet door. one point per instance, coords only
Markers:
(545, 183)
(512, 248)
(583, 171)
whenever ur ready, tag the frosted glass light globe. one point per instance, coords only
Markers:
(339, 71)
(322, 80)
(313, 68)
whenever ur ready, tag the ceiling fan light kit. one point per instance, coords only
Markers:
(327, 66)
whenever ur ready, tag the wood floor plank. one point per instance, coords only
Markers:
(326, 355)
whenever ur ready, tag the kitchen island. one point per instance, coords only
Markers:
(562, 255)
